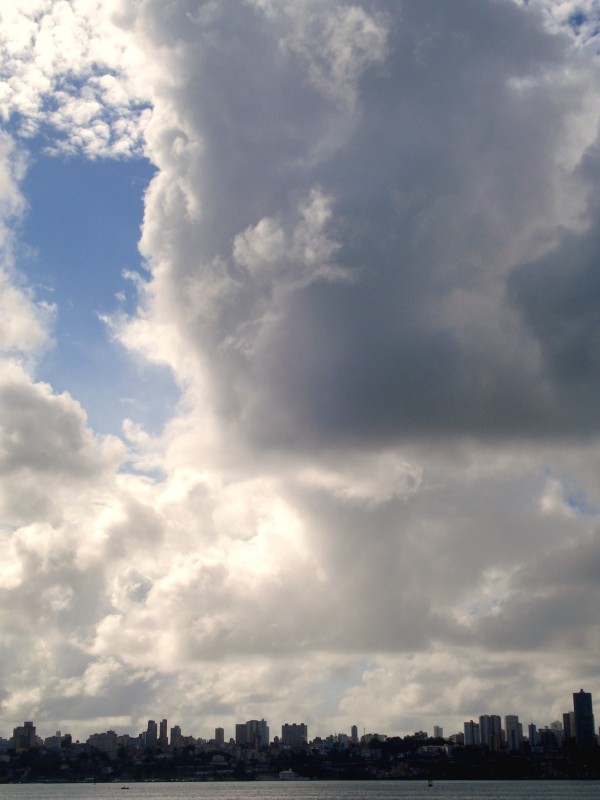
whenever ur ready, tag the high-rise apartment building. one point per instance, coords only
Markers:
(584, 720)
(472, 734)
(219, 737)
(514, 732)
(23, 737)
(253, 733)
(354, 734)
(294, 735)
(175, 736)
(106, 743)
(241, 734)
(163, 738)
(151, 735)
(490, 730)
(438, 733)
(569, 726)
(257, 733)
(532, 733)
(53, 742)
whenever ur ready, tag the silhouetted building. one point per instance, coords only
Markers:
(514, 732)
(105, 742)
(241, 734)
(151, 736)
(257, 733)
(584, 720)
(53, 742)
(163, 738)
(294, 735)
(253, 733)
(219, 737)
(558, 732)
(23, 737)
(550, 738)
(569, 726)
(472, 734)
(176, 736)
(490, 731)
(532, 733)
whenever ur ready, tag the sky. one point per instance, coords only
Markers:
(299, 363)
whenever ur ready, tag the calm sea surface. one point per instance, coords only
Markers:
(313, 790)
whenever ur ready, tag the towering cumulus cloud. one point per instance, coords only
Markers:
(369, 263)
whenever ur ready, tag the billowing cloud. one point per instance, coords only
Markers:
(370, 267)
(65, 68)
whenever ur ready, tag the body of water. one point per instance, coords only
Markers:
(310, 790)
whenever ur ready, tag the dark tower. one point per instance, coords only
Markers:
(584, 720)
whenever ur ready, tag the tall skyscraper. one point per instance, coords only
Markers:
(151, 733)
(219, 737)
(532, 733)
(257, 733)
(584, 720)
(490, 729)
(438, 733)
(175, 736)
(163, 738)
(472, 734)
(514, 732)
(354, 734)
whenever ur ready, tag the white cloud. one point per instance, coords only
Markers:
(66, 65)
(370, 245)
(24, 324)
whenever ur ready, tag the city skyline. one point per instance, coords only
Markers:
(299, 361)
(489, 732)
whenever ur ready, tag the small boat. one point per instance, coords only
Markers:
(430, 783)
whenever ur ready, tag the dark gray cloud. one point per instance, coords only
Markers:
(441, 172)
(558, 299)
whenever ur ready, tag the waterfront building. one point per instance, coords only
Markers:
(294, 734)
(367, 738)
(253, 733)
(53, 742)
(257, 732)
(438, 732)
(163, 738)
(490, 731)
(105, 742)
(176, 736)
(219, 737)
(23, 737)
(584, 720)
(569, 726)
(472, 734)
(241, 734)
(550, 739)
(532, 735)
(151, 736)
(514, 732)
